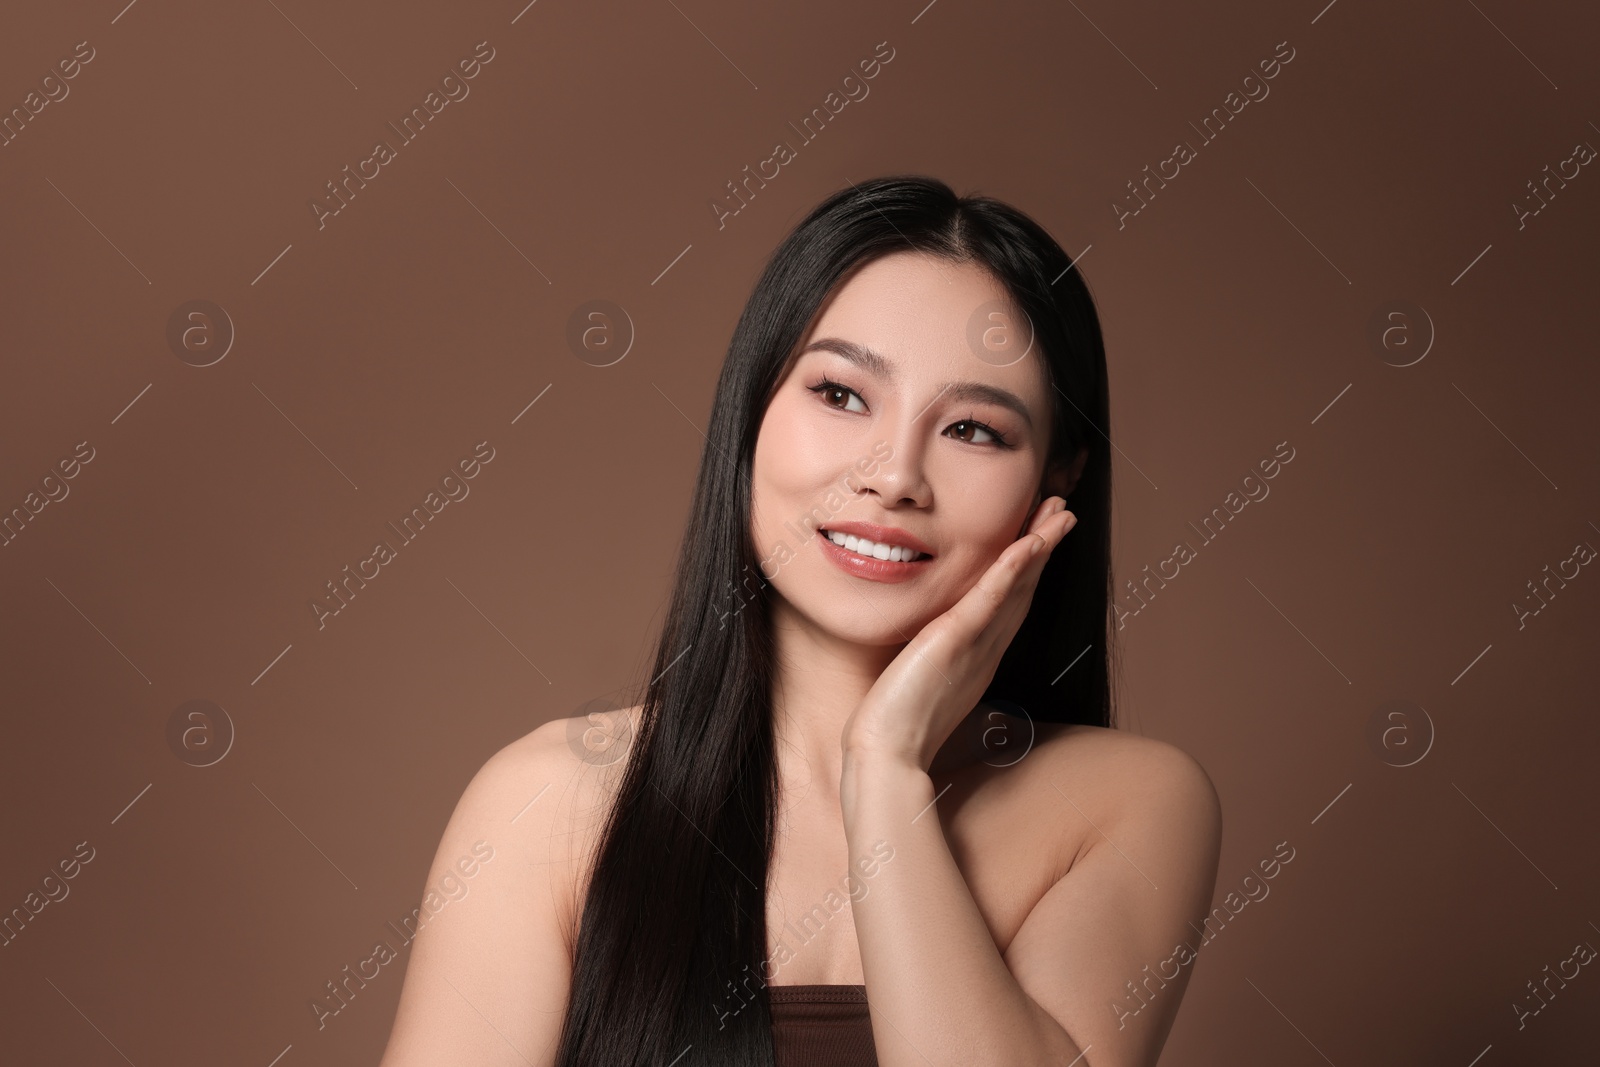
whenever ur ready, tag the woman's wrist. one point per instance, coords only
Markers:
(875, 778)
(874, 739)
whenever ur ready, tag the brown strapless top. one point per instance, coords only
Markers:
(821, 1026)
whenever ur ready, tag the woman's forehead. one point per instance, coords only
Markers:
(929, 316)
(914, 284)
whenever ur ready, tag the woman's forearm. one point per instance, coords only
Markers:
(939, 991)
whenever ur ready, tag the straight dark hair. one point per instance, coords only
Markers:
(673, 929)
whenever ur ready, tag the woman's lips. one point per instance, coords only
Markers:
(874, 570)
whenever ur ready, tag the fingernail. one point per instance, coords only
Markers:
(1033, 549)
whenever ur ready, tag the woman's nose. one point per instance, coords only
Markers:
(902, 478)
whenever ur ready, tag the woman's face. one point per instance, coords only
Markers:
(902, 413)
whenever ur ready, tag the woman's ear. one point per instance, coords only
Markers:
(1060, 478)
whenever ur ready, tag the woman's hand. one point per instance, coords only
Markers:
(940, 676)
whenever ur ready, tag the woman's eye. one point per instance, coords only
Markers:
(831, 390)
(966, 425)
(969, 431)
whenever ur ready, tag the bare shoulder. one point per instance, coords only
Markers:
(559, 780)
(489, 973)
(1141, 836)
(1139, 765)
(1123, 779)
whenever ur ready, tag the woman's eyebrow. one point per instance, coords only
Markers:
(879, 365)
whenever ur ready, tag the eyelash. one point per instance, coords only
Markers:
(827, 385)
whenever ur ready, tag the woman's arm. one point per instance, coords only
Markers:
(1064, 992)
(487, 980)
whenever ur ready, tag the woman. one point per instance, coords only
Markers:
(872, 801)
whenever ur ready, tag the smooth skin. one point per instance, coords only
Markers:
(1037, 870)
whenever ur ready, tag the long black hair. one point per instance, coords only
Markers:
(674, 913)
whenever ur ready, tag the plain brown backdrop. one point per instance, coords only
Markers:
(372, 353)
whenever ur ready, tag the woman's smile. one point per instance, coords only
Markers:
(895, 558)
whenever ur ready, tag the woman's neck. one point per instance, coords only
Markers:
(820, 680)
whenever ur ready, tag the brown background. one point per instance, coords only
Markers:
(372, 354)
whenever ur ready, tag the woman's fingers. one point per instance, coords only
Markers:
(937, 671)
(1008, 581)
(1049, 506)
(1043, 541)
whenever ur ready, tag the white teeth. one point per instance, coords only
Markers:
(861, 546)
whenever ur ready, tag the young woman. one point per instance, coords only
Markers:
(872, 807)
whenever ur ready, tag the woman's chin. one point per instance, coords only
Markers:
(868, 628)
